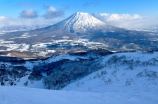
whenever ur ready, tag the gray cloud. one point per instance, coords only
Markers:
(127, 21)
(52, 12)
(29, 13)
(25, 4)
(90, 3)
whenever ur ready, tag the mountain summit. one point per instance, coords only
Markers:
(81, 22)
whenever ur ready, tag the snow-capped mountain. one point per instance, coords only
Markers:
(81, 22)
(64, 37)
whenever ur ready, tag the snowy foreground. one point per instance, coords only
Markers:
(19, 95)
(125, 78)
(15, 95)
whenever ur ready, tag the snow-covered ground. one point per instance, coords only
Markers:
(116, 83)
(41, 49)
(120, 84)
(19, 95)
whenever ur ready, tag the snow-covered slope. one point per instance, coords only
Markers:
(17, 95)
(122, 72)
(81, 22)
(125, 78)
(128, 78)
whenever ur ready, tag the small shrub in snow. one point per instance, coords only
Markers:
(78, 84)
(114, 73)
(108, 81)
(26, 83)
(129, 82)
(97, 75)
(103, 72)
(131, 67)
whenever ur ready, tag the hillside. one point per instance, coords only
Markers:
(65, 69)
(115, 78)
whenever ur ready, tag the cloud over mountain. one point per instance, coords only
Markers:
(127, 20)
(116, 17)
(52, 12)
(29, 13)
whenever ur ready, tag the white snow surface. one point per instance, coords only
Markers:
(20, 95)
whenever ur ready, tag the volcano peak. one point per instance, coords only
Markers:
(81, 21)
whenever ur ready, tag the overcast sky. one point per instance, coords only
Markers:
(121, 13)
